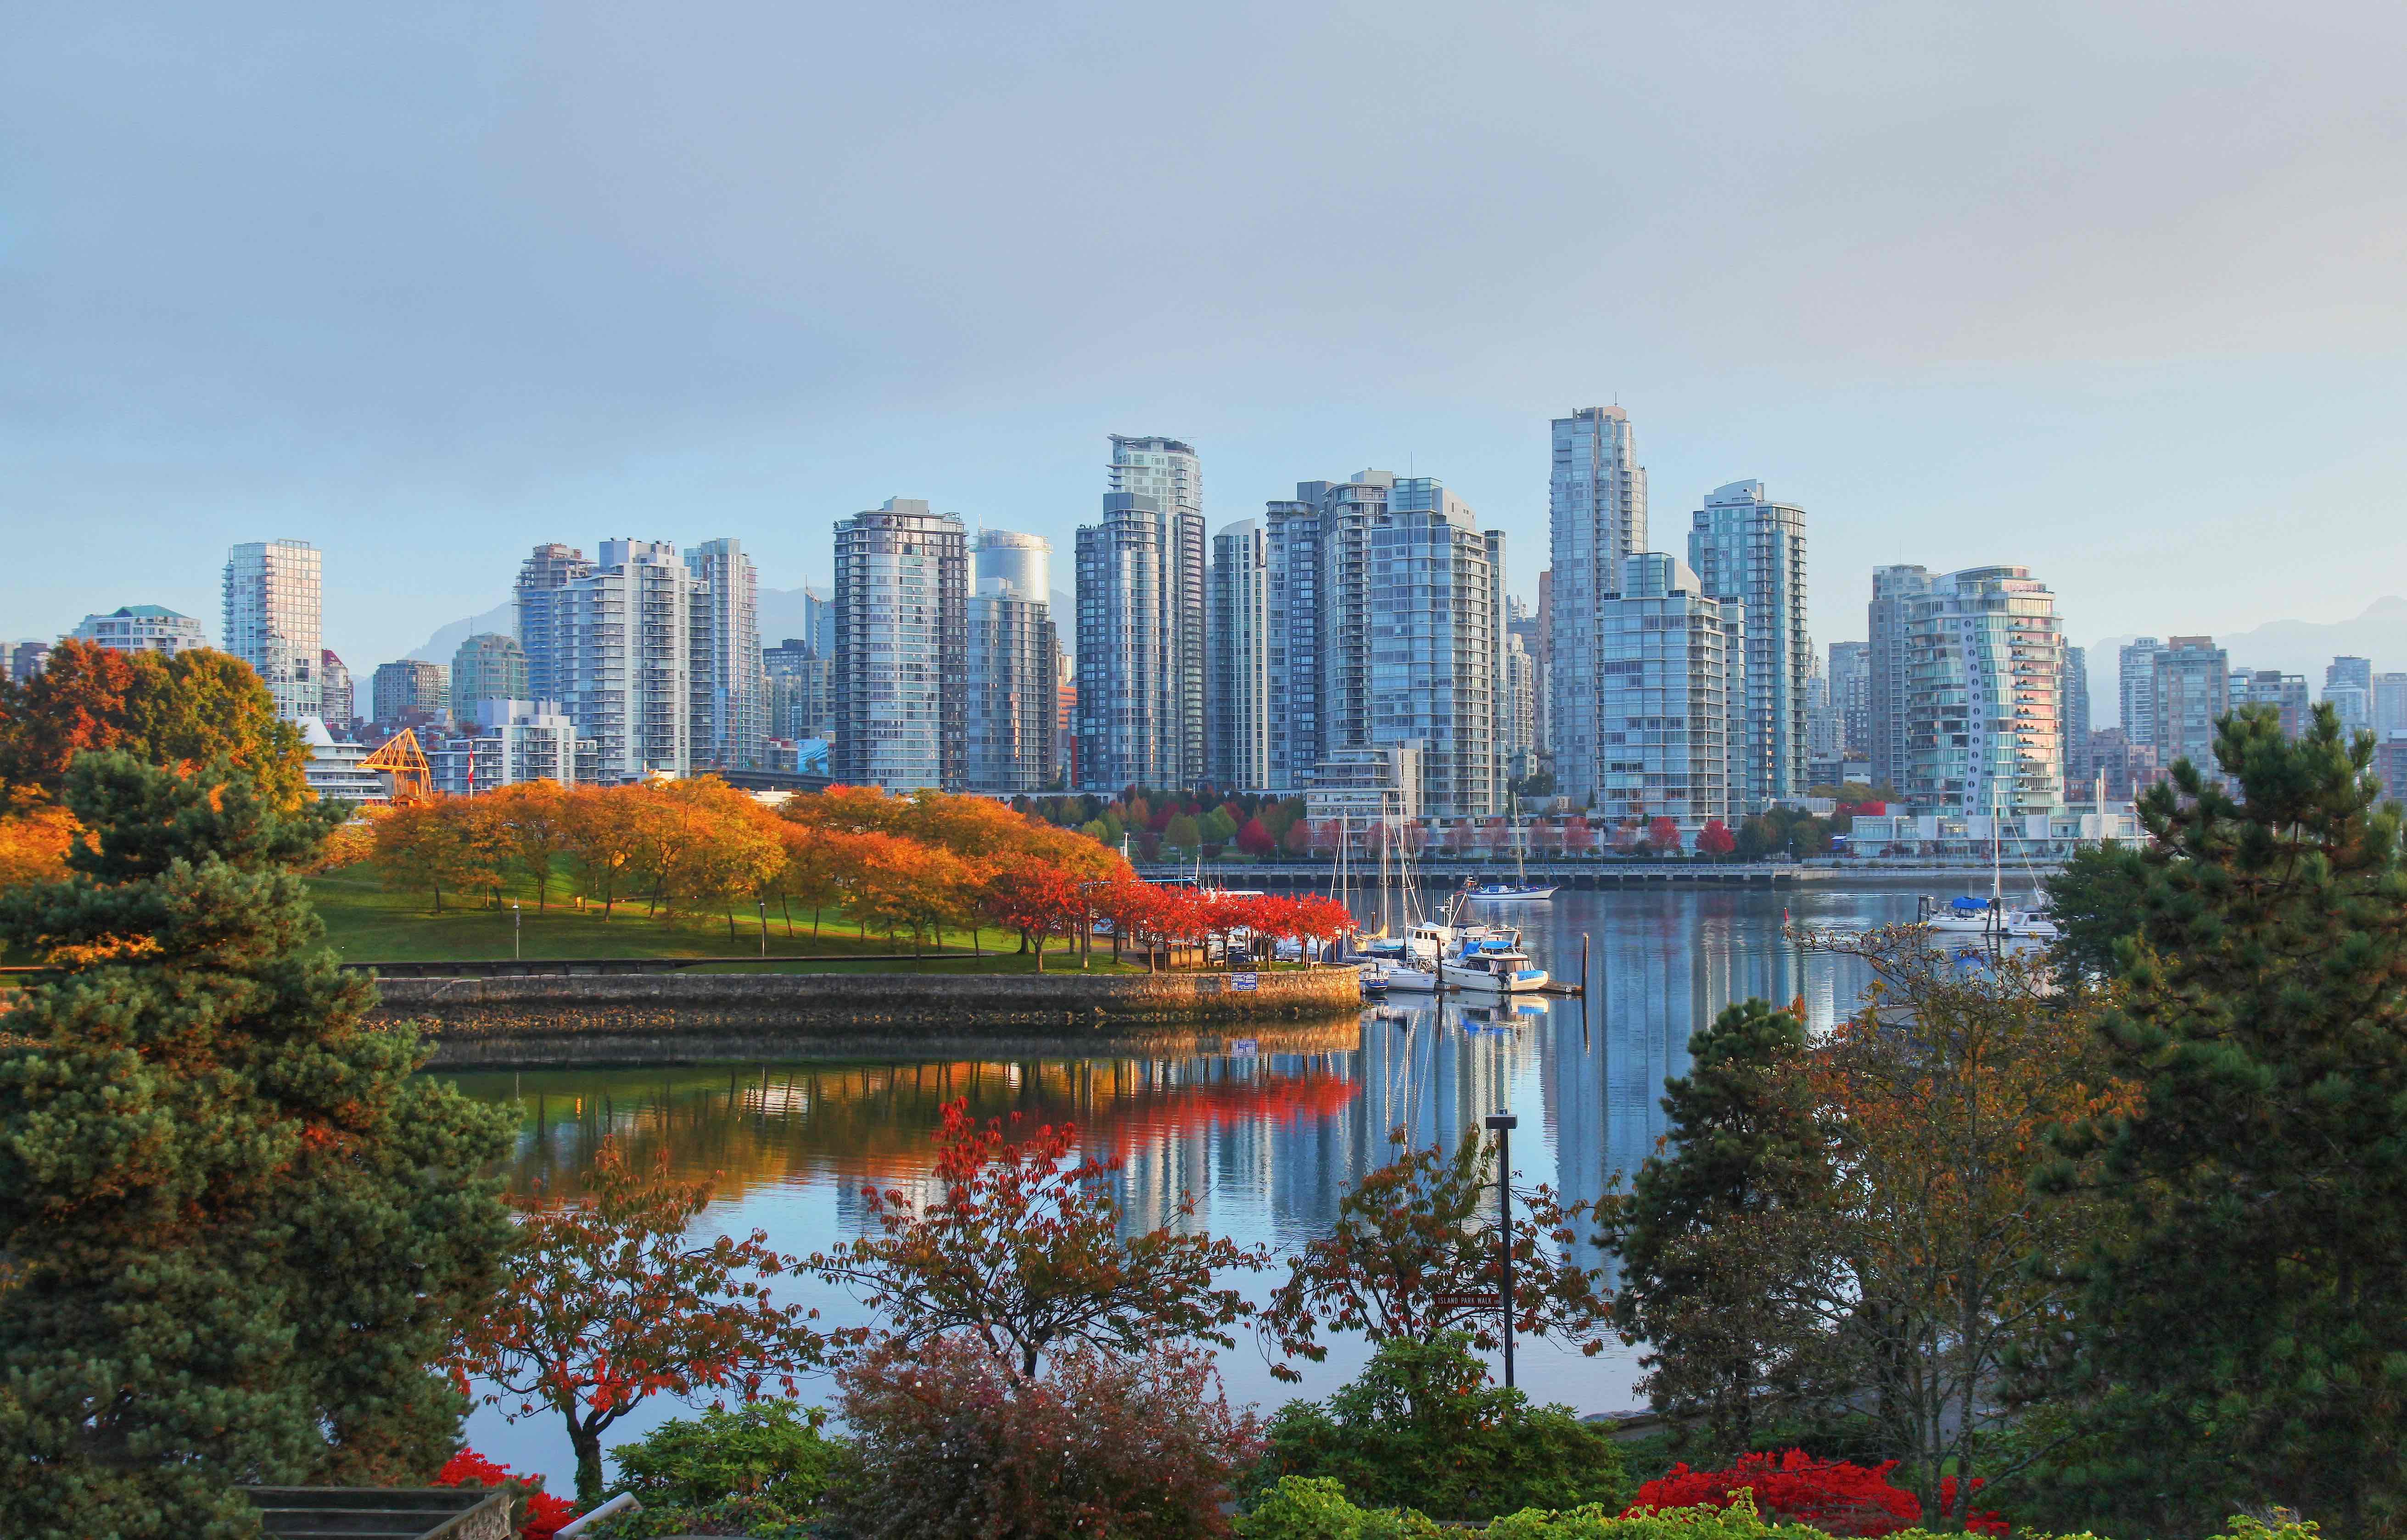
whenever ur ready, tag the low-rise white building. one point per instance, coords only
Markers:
(143, 628)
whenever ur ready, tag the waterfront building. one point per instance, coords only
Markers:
(902, 647)
(1168, 471)
(1239, 643)
(333, 774)
(1432, 621)
(489, 665)
(2136, 685)
(1894, 591)
(410, 693)
(1317, 622)
(541, 598)
(1013, 667)
(1984, 663)
(2191, 691)
(2073, 690)
(336, 692)
(2389, 703)
(143, 628)
(1596, 504)
(511, 743)
(273, 605)
(730, 716)
(1673, 697)
(1745, 546)
(1366, 786)
(2287, 693)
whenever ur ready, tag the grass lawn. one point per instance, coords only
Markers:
(367, 924)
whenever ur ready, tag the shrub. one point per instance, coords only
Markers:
(534, 1513)
(768, 1450)
(951, 1441)
(1422, 1426)
(757, 1518)
(1832, 1495)
(1311, 1507)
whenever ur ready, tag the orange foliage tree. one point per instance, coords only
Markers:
(1038, 899)
(610, 1303)
(531, 821)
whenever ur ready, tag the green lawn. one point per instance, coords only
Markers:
(367, 924)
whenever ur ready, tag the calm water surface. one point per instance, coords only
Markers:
(1265, 1137)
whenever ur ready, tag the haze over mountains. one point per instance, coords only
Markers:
(2293, 646)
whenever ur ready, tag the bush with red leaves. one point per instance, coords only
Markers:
(539, 1513)
(1832, 1495)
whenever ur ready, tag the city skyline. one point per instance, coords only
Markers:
(2030, 272)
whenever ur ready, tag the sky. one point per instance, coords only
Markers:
(2110, 290)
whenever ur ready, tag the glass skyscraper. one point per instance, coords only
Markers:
(1984, 716)
(1597, 517)
(902, 647)
(272, 610)
(1747, 547)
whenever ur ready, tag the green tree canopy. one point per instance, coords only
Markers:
(2242, 1330)
(237, 1227)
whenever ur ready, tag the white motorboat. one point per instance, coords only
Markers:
(1493, 968)
(1411, 979)
(1508, 893)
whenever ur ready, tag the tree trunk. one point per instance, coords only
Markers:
(731, 922)
(1040, 948)
(787, 909)
(586, 1442)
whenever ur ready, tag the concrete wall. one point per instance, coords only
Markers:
(683, 1018)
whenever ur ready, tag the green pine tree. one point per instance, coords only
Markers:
(2242, 1331)
(2095, 901)
(236, 1228)
(1709, 1234)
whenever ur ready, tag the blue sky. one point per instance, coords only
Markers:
(2113, 290)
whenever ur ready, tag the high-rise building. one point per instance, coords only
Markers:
(1984, 663)
(1747, 547)
(1124, 706)
(1318, 621)
(1596, 504)
(541, 597)
(1432, 609)
(1543, 651)
(504, 743)
(1167, 470)
(336, 692)
(2287, 693)
(2136, 685)
(1851, 697)
(2389, 703)
(410, 693)
(1517, 744)
(26, 659)
(902, 647)
(627, 635)
(2348, 685)
(819, 623)
(1673, 696)
(2191, 691)
(2073, 690)
(488, 666)
(1238, 634)
(143, 628)
(801, 682)
(1894, 591)
(730, 717)
(2127, 768)
(273, 603)
(1013, 679)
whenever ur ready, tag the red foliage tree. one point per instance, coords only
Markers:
(1038, 899)
(1024, 1252)
(1663, 834)
(609, 1302)
(1716, 840)
(1254, 839)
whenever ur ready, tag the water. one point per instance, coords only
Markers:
(1266, 1136)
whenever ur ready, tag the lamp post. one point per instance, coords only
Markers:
(762, 905)
(1501, 1125)
(514, 932)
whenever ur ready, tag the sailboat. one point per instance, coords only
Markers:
(1969, 915)
(1520, 890)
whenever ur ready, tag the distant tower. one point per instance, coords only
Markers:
(1894, 591)
(1747, 547)
(1168, 471)
(272, 620)
(1597, 515)
(902, 647)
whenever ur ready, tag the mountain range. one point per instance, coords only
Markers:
(2293, 646)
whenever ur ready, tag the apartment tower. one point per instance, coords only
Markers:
(1595, 505)
(273, 607)
(1747, 547)
(901, 647)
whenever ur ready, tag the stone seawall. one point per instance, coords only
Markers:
(688, 1018)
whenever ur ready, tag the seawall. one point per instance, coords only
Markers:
(696, 1018)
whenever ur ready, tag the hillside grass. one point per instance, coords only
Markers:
(366, 923)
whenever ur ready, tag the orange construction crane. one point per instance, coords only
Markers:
(413, 779)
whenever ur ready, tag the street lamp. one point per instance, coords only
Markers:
(1501, 1125)
(514, 932)
(762, 905)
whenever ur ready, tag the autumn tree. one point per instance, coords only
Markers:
(810, 873)
(1038, 901)
(532, 820)
(1414, 1256)
(437, 842)
(606, 837)
(236, 1222)
(34, 842)
(1716, 840)
(1023, 1251)
(609, 1302)
(2243, 1324)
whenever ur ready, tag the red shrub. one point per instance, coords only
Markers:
(544, 1514)
(1831, 1495)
